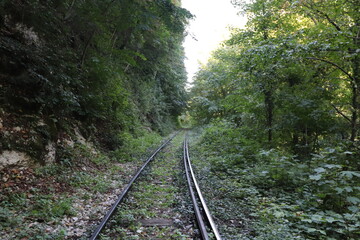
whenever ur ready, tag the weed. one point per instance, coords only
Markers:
(133, 147)
(17, 200)
(48, 170)
(45, 208)
(37, 233)
(7, 218)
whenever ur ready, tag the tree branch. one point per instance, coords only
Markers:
(335, 65)
(339, 112)
(324, 15)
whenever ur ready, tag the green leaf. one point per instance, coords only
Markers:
(350, 174)
(349, 216)
(279, 214)
(332, 166)
(353, 209)
(353, 200)
(317, 218)
(315, 177)
(320, 170)
(330, 219)
(311, 230)
(308, 220)
(339, 190)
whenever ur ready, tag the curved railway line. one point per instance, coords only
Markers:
(203, 217)
(192, 183)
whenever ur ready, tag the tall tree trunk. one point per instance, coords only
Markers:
(354, 115)
(87, 44)
(355, 85)
(269, 105)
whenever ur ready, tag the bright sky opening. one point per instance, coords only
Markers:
(207, 30)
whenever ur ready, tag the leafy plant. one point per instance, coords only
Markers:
(46, 208)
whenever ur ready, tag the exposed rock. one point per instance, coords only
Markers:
(16, 129)
(8, 158)
(79, 137)
(30, 36)
(51, 153)
(69, 142)
(41, 123)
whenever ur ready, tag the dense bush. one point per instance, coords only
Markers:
(282, 103)
(108, 66)
(317, 198)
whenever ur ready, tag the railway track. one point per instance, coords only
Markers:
(198, 199)
(203, 217)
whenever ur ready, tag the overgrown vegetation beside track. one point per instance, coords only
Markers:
(86, 87)
(65, 201)
(259, 193)
(280, 100)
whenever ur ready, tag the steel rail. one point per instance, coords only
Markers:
(125, 191)
(202, 200)
(199, 219)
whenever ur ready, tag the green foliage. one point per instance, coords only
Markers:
(95, 184)
(134, 147)
(316, 199)
(46, 208)
(38, 233)
(49, 170)
(241, 151)
(7, 218)
(282, 76)
(110, 66)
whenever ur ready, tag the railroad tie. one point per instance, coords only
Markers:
(163, 222)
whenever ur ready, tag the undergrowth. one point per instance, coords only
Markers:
(276, 194)
(134, 146)
(35, 202)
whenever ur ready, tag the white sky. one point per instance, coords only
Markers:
(210, 28)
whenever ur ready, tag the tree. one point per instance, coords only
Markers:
(285, 73)
(336, 29)
(114, 64)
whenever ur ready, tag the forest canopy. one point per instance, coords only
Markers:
(295, 68)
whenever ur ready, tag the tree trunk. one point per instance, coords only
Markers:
(354, 112)
(269, 105)
(355, 86)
